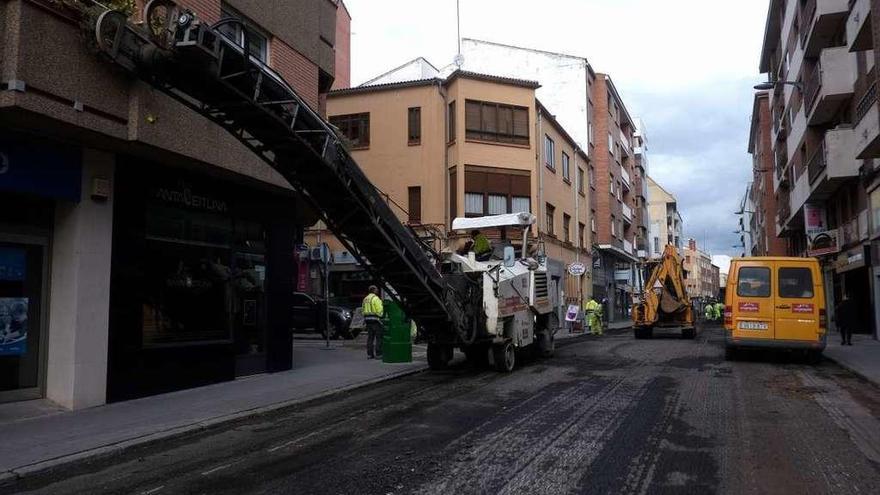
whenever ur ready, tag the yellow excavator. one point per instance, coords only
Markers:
(662, 301)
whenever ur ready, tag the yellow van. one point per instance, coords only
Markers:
(775, 302)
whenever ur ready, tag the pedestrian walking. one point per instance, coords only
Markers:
(845, 315)
(373, 312)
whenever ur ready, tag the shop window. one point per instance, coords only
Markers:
(355, 127)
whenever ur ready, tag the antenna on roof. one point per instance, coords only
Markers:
(459, 58)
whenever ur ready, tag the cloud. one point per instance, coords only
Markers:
(689, 80)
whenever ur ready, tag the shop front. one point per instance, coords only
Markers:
(852, 269)
(202, 274)
(34, 175)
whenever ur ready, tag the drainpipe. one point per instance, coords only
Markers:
(446, 220)
(539, 147)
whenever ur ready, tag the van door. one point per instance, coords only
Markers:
(798, 291)
(753, 301)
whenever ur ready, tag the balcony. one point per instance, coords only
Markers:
(627, 213)
(624, 175)
(830, 83)
(858, 26)
(820, 20)
(867, 117)
(832, 163)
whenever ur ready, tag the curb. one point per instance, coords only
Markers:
(852, 370)
(118, 447)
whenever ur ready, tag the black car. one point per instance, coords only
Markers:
(308, 315)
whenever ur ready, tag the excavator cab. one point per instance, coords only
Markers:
(663, 301)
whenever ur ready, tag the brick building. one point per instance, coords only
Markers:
(761, 227)
(137, 238)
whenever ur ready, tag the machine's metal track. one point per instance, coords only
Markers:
(213, 75)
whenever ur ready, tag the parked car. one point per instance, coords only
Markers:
(308, 314)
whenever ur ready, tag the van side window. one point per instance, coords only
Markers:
(754, 281)
(795, 283)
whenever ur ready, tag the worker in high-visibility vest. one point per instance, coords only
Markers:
(482, 247)
(373, 312)
(710, 312)
(719, 311)
(593, 314)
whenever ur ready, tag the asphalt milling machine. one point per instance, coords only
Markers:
(489, 310)
(662, 302)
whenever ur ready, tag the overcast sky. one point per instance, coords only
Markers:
(686, 67)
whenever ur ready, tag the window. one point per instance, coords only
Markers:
(355, 127)
(497, 204)
(592, 177)
(414, 125)
(590, 127)
(611, 184)
(496, 122)
(473, 203)
(656, 245)
(795, 283)
(548, 220)
(451, 118)
(875, 210)
(257, 41)
(581, 234)
(580, 180)
(415, 204)
(550, 153)
(613, 226)
(593, 221)
(619, 191)
(754, 281)
(566, 227)
(520, 204)
(610, 144)
(566, 169)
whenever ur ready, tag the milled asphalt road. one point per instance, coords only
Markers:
(606, 415)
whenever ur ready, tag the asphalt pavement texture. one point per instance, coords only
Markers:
(607, 414)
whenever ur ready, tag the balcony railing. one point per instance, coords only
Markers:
(627, 212)
(625, 176)
(817, 163)
(807, 13)
(866, 101)
(812, 85)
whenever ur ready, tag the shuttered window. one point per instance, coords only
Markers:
(494, 191)
(496, 122)
(550, 213)
(519, 204)
(414, 125)
(355, 127)
(566, 227)
(451, 118)
(415, 204)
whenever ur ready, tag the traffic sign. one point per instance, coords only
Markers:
(577, 269)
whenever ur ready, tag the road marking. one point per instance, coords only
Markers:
(220, 468)
(295, 440)
(154, 490)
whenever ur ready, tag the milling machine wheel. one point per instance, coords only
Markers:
(545, 343)
(504, 357)
(439, 356)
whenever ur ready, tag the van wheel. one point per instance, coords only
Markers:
(814, 357)
(688, 333)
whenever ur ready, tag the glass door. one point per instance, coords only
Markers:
(22, 280)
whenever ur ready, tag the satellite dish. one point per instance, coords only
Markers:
(458, 60)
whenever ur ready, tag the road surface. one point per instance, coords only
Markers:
(606, 415)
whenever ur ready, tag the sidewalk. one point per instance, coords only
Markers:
(37, 435)
(861, 358)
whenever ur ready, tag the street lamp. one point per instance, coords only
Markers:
(772, 84)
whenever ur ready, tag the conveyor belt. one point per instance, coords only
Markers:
(194, 63)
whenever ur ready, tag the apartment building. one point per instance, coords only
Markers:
(642, 219)
(761, 226)
(819, 57)
(666, 223)
(465, 145)
(747, 224)
(137, 237)
(703, 278)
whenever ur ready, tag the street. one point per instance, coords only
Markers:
(607, 415)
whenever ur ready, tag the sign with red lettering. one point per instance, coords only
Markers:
(749, 307)
(801, 308)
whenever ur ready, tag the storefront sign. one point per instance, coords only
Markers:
(572, 313)
(850, 260)
(183, 195)
(13, 326)
(577, 269)
(814, 220)
(823, 243)
(44, 171)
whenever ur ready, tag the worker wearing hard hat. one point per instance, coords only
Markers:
(373, 312)
(593, 313)
(482, 247)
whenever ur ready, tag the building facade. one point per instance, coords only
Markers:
(666, 223)
(761, 225)
(820, 57)
(466, 145)
(703, 278)
(142, 248)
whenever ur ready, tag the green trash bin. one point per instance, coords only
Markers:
(396, 343)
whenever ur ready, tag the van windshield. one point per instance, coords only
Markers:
(795, 283)
(754, 281)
